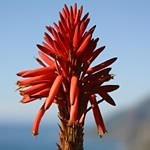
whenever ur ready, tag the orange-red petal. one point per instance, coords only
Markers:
(73, 88)
(53, 91)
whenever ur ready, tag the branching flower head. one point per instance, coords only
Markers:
(65, 76)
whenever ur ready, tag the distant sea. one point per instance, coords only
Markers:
(18, 137)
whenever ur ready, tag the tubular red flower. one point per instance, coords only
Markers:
(107, 98)
(35, 80)
(27, 99)
(73, 88)
(74, 108)
(37, 72)
(97, 75)
(53, 91)
(40, 62)
(83, 46)
(47, 60)
(76, 38)
(89, 59)
(34, 89)
(103, 93)
(40, 94)
(97, 115)
(101, 66)
(35, 127)
(78, 15)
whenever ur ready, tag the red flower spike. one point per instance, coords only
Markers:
(66, 76)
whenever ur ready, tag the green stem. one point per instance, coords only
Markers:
(71, 136)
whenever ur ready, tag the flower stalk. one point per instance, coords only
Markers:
(66, 78)
(71, 136)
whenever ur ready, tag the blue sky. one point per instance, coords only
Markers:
(122, 25)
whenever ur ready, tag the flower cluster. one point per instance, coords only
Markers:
(65, 76)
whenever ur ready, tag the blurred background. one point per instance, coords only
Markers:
(123, 26)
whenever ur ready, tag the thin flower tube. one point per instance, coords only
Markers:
(97, 115)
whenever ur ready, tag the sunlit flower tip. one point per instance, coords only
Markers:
(101, 132)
